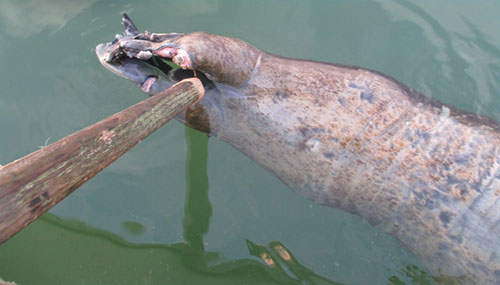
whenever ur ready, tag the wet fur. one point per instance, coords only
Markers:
(355, 139)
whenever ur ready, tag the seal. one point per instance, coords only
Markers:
(345, 137)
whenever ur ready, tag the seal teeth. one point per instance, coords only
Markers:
(148, 83)
(144, 55)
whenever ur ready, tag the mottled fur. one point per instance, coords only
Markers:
(349, 138)
(355, 139)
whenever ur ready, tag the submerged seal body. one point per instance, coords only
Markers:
(354, 139)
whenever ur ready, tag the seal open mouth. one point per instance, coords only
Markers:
(151, 73)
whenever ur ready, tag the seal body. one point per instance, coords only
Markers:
(355, 139)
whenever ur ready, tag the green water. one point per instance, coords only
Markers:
(183, 209)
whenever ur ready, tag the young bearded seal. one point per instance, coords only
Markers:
(345, 137)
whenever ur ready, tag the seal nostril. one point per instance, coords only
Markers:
(117, 38)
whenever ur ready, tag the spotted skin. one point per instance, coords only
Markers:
(358, 140)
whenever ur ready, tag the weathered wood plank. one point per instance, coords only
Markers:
(35, 183)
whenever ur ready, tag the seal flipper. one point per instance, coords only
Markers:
(129, 28)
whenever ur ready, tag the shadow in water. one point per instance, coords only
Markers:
(197, 207)
(279, 264)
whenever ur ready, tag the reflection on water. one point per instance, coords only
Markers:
(68, 244)
(162, 261)
(25, 18)
(196, 222)
(465, 47)
(180, 263)
(281, 260)
(197, 208)
(283, 267)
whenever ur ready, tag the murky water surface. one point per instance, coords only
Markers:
(149, 218)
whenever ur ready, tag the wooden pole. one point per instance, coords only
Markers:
(32, 185)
